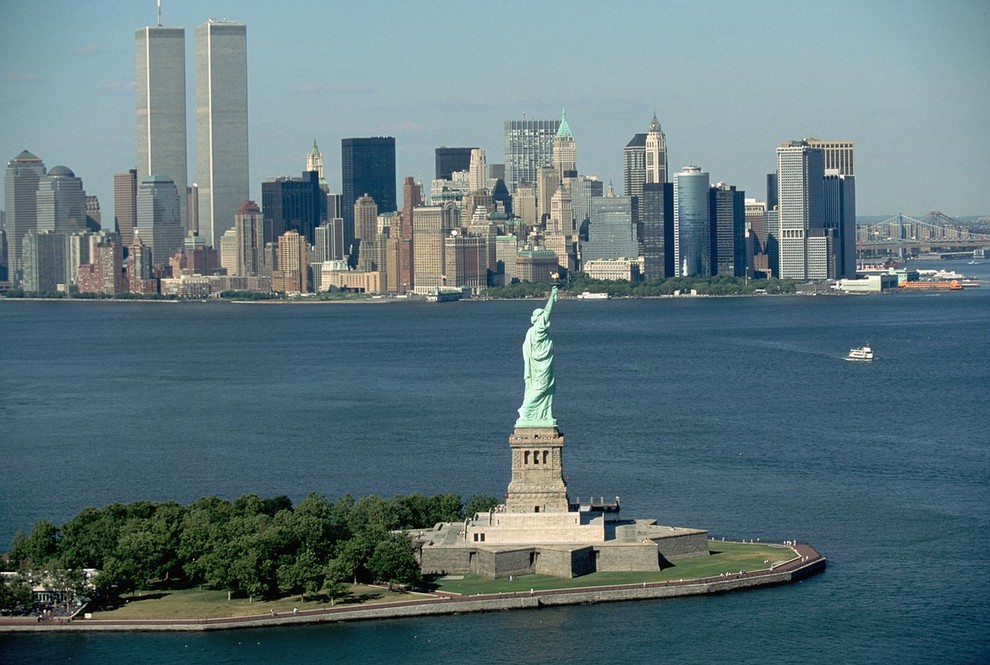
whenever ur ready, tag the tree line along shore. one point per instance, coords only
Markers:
(719, 285)
(251, 546)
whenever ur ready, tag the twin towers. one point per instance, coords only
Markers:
(222, 183)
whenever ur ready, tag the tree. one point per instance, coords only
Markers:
(480, 503)
(335, 578)
(38, 548)
(393, 561)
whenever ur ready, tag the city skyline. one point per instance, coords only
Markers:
(901, 80)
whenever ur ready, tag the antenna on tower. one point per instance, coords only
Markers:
(159, 13)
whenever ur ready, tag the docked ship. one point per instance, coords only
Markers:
(862, 353)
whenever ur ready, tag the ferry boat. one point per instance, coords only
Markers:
(864, 353)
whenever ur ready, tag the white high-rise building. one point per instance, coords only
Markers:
(478, 171)
(656, 153)
(160, 94)
(801, 208)
(221, 125)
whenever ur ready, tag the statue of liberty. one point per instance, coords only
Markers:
(536, 409)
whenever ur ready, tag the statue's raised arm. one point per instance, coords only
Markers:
(537, 406)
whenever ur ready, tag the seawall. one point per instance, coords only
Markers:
(806, 562)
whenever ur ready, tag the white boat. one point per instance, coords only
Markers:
(864, 353)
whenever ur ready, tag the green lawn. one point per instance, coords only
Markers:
(206, 603)
(197, 603)
(726, 557)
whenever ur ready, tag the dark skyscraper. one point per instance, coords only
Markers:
(452, 159)
(293, 204)
(367, 166)
(657, 208)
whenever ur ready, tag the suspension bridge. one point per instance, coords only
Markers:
(935, 233)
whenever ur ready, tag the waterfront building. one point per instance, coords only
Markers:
(20, 185)
(367, 166)
(221, 125)
(249, 239)
(840, 218)
(756, 235)
(612, 229)
(290, 275)
(329, 244)
(160, 91)
(125, 186)
(159, 223)
(61, 202)
(691, 223)
(655, 153)
(293, 204)
(466, 261)
(103, 274)
(612, 270)
(45, 262)
(657, 211)
(528, 146)
(451, 160)
(727, 216)
(412, 198)
(536, 264)
(228, 252)
(431, 225)
(800, 191)
(366, 233)
(564, 150)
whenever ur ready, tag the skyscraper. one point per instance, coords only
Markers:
(478, 171)
(20, 185)
(158, 223)
(367, 166)
(528, 146)
(314, 162)
(412, 198)
(449, 160)
(160, 94)
(612, 230)
(800, 206)
(125, 205)
(61, 202)
(727, 215)
(691, 223)
(366, 232)
(838, 154)
(634, 166)
(564, 149)
(249, 231)
(656, 153)
(221, 125)
(657, 211)
(293, 204)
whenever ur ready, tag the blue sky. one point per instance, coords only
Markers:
(908, 81)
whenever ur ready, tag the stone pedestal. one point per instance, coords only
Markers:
(537, 484)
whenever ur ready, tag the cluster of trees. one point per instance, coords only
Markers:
(719, 285)
(255, 546)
